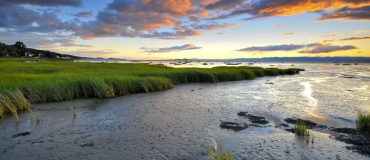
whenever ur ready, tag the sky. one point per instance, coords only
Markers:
(177, 29)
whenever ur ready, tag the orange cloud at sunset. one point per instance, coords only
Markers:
(270, 8)
(348, 39)
(174, 7)
(283, 8)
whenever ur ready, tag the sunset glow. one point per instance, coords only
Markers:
(171, 29)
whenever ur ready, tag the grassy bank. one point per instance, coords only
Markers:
(46, 81)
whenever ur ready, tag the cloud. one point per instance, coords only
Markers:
(279, 25)
(329, 35)
(346, 13)
(162, 19)
(348, 39)
(22, 19)
(121, 18)
(354, 32)
(150, 21)
(271, 8)
(83, 14)
(283, 47)
(213, 26)
(224, 4)
(309, 48)
(49, 3)
(170, 49)
(359, 31)
(220, 33)
(147, 18)
(95, 29)
(180, 34)
(290, 33)
(40, 41)
(327, 49)
(176, 8)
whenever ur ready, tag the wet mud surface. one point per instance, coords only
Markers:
(182, 122)
(357, 142)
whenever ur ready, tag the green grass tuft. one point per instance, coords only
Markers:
(287, 149)
(73, 109)
(218, 154)
(89, 144)
(301, 129)
(363, 122)
(6, 102)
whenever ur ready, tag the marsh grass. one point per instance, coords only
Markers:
(73, 109)
(54, 81)
(301, 129)
(89, 144)
(218, 154)
(307, 139)
(13, 102)
(363, 122)
(287, 149)
(312, 139)
(303, 157)
(7, 103)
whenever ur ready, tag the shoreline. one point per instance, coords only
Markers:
(182, 122)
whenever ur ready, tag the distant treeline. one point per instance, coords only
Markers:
(19, 49)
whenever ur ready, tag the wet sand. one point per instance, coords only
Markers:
(182, 122)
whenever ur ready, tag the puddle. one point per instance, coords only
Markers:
(333, 121)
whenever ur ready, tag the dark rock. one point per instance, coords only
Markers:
(281, 125)
(345, 130)
(308, 123)
(253, 118)
(21, 134)
(257, 119)
(357, 140)
(242, 114)
(233, 126)
(269, 83)
(364, 150)
(290, 130)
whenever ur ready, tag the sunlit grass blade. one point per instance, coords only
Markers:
(218, 154)
(7, 103)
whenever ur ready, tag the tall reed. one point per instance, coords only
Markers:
(7, 103)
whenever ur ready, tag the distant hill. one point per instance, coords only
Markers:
(294, 59)
(19, 49)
